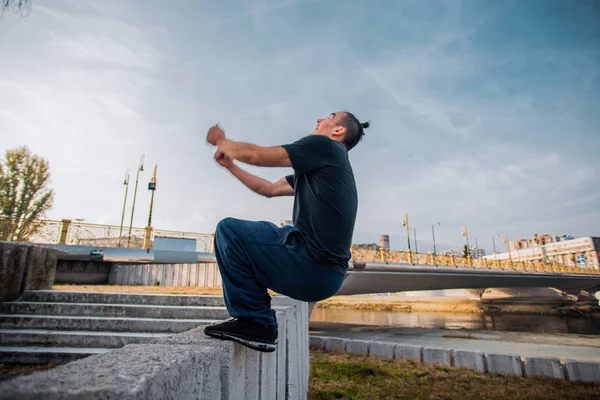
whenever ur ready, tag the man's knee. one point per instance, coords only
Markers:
(225, 226)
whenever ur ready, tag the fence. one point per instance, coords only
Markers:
(408, 257)
(85, 234)
(79, 233)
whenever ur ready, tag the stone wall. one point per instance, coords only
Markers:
(24, 267)
(488, 362)
(183, 366)
(199, 274)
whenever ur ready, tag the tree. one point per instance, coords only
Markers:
(466, 252)
(24, 193)
(19, 7)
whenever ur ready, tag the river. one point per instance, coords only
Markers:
(548, 324)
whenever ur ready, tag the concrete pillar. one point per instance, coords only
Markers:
(41, 264)
(64, 231)
(12, 265)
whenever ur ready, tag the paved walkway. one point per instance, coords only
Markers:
(563, 346)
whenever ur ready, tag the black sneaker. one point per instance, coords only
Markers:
(250, 334)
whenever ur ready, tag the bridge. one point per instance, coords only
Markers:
(370, 271)
(364, 277)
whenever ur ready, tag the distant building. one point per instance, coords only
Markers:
(477, 252)
(449, 253)
(582, 252)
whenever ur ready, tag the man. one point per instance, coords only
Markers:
(307, 261)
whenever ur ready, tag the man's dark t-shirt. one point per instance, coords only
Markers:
(325, 198)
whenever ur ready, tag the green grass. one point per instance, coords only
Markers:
(342, 376)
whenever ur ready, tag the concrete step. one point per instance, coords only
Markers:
(115, 310)
(45, 355)
(44, 337)
(89, 323)
(48, 296)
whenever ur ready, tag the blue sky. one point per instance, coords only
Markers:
(483, 113)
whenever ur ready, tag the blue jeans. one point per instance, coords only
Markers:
(256, 255)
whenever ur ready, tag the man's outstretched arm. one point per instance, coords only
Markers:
(248, 153)
(262, 186)
(253, 182)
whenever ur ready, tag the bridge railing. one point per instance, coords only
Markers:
(406, 257)
(86, 234)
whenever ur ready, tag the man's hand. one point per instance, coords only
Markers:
(223, 160)
(215, 135)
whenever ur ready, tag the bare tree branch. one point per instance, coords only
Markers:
(24, 193)
(22, 8)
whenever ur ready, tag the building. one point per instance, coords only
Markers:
(582, 252)
(477, 252)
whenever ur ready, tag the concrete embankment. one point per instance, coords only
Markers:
(24, 267)
(133, 346)
(573, 357)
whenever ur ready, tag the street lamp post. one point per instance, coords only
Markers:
(508, 246)
(465, 233)
(415, 237)
(148, 230)
(433, 234)
(126, 183)
(405, 223)
(494, 244)
(140, 168)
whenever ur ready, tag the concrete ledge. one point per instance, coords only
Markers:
(133, 372)
(504, 364)
(581, 371)
(406, 352)
(437, 356)
(317, 342)
(474, 360)
(382, 349)
(335, 345)
(358, 347)
(187, 365)
(543, 366)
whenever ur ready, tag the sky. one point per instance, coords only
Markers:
(484, 114)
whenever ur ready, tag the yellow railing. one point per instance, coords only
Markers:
(406, 257)
(85, 234)
(80, 233)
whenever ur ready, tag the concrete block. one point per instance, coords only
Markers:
(474, 360)
(268, 376)
(544, 366)
(281, 354)
(581, 371)
(253, 372)
(9, 287)
(504, 364)
(42, 269)
(358, 347)
(382, 349)
(133, 372)
(35, 257)
(293, 366)
(317, 342)
(406, 352)
(335, 345)
(437, 356)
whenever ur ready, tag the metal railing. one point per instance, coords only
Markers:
(408, 257)
(86, 234)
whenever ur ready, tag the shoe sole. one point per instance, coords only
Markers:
(254, 345)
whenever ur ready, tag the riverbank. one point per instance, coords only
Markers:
(418, 305)
(343, 376)
(540, 306)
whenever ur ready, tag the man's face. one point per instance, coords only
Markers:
(330, 126)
